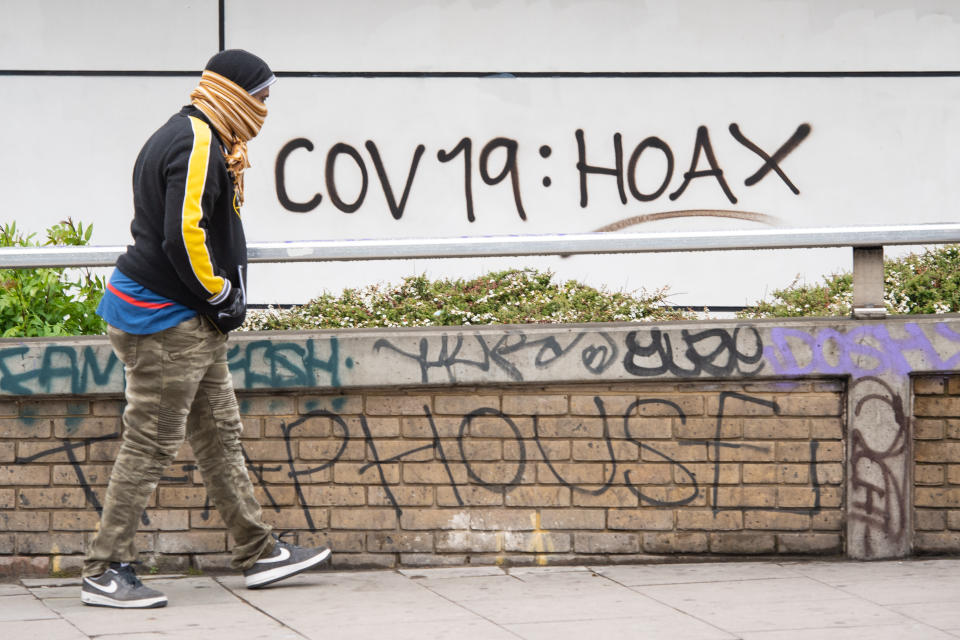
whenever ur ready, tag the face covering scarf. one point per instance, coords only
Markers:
(235, 114)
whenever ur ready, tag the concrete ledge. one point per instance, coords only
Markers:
(897, 346)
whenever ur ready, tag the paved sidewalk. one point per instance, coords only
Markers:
(750, 600)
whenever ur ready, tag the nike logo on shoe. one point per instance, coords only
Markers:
(280, 557)
(110, 588)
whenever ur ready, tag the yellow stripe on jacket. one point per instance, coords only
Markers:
(194, 236)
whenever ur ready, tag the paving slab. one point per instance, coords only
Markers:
(434, 630)
(940, 614)
(72, 591)
(842, 571)
(440, 573)
(12, 590)
(539, 571)
(550, 598)
(23, 607)
(647, 628)
(650, 574)
(892, 583)
(466, 591)
(315, 603)
(772, 604)
(912, 590)
(759, 591)
(914, 631)
(157, 635)
(53, 629)
(49, 582)
(741, 617)
(197, 606)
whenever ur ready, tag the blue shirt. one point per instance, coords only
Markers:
(131, 307)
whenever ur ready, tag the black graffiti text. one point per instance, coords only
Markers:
(597, 353)
(341, 152)
(702, 146)
(513, 473)
(714, 352)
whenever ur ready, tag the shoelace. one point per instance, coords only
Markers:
(282, 543)
(129, 575)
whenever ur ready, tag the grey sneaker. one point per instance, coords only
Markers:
(119, 586)
(285, 561)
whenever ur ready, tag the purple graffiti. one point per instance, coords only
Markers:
(868, 350)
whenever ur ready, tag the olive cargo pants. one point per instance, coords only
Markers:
(178, 386)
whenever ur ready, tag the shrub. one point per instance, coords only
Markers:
(927, 282)
(833, 298)
(49, 302)
(517, 296)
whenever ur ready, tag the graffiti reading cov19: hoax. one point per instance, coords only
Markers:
(506, 152)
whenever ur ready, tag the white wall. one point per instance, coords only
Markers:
(592, 35)
(107, 34)
(879, 149)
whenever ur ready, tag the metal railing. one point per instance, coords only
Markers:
(867, 243)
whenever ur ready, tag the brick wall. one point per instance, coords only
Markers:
(937, 464)
(434, 476)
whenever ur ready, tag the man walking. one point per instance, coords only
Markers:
(170, 302)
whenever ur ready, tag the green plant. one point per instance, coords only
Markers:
(517, 296)
(926, 282)
(49, 302)
(833, 298)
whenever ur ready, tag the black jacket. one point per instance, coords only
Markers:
(188, 241)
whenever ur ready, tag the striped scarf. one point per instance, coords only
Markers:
(235, 114)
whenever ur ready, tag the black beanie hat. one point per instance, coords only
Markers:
(243, 68)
